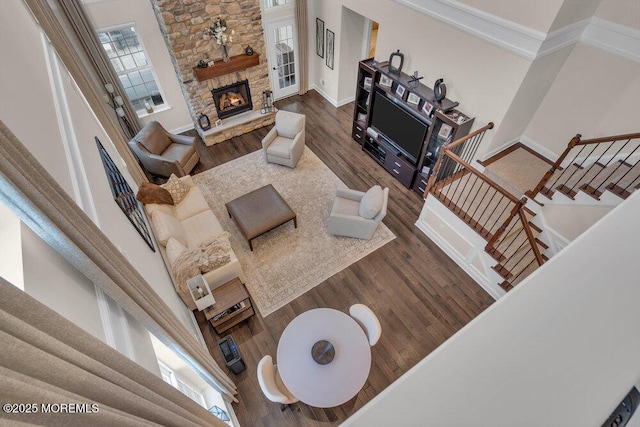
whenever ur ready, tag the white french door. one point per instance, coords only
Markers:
(282, 51)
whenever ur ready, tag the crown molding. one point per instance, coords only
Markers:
(613, 38)
(527, 42)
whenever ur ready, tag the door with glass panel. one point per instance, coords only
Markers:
(282, 49)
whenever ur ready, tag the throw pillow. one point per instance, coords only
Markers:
(174, 250)
(152, 193)
(371, 202)
(177, 188)
(216, 253)
(166, 227)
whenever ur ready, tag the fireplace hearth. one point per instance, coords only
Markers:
(232, 99)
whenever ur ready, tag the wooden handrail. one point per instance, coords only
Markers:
(547, 176)
(503, 227)
(532, 240)
(477, 173)
(469, 136)
(609, 138)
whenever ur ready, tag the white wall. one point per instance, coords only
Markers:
(109, 13)
(10, 242)
(561, 349)
(50, 279)
(484, 78)
(352, 30)
(622, 12)
(40, 121)
(538, 15)
(595, 94)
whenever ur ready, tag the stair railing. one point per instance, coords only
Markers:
(486, 207)
(586, 155)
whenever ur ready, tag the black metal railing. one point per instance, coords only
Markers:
(594, 165)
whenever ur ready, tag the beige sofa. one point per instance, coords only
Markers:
(193, 223)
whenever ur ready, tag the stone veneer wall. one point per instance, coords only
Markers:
(184, 23)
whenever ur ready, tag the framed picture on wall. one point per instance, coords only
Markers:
(320, 37)
(413, 99)
(400, 91)
(331, 37)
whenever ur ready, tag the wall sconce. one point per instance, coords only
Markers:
(116, 102)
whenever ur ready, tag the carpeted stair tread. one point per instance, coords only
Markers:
(631, 179)
(574, 176)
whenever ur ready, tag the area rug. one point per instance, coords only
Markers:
(286, 262)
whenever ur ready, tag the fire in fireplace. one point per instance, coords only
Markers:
(232, 99)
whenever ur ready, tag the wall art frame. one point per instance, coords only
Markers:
(320, 37)
(331, 39)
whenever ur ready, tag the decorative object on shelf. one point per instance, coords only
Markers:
(367, 83)
(400, 91)
(427, 108)
(116, 102)
(148, 107)
(219, 32)
(202, 64)
(396, 61)
(414, 80)
(445, 131)
(248, 51)
(413, 99)
(204, 122)
(331, 38)
(267, 102)
(439, 90)
(385, 81)
(218, 123)
(320, 37)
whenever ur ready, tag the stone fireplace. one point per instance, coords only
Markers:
(232, 99)
(184, 25)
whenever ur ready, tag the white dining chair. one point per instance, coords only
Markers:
(368, 321)
(271, 384)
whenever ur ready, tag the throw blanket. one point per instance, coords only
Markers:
(208, 257)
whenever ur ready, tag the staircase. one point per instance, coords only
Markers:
(594, 167)
(513, 240)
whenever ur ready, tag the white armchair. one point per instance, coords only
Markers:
(271, 384)
(284, 143)
(357, 214)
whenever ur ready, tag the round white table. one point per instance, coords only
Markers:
(324, 386)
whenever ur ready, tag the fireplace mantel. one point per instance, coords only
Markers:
(220, 68)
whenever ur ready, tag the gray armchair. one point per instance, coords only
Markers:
(284, 143)
(163, 153)
(346, 218)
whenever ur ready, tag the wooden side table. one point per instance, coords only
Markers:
(233, 305)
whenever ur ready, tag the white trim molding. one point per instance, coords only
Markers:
(527, 42)
(613, 38)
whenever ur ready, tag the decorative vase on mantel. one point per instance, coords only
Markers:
(225, 53)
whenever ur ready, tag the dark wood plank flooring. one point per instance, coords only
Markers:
(420, 295)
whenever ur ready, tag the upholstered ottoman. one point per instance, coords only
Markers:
(260, 211)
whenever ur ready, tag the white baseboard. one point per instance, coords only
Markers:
(525, 140)
(346, 101)
(325, 95)
(183, 128)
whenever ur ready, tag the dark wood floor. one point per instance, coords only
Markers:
(420, 295)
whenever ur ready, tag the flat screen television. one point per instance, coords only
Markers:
(398, 126)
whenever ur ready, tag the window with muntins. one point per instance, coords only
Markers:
(274, 3)
(132, 65)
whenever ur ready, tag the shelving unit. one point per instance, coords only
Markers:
(220, 68)
(364, 91)
(424, 107)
